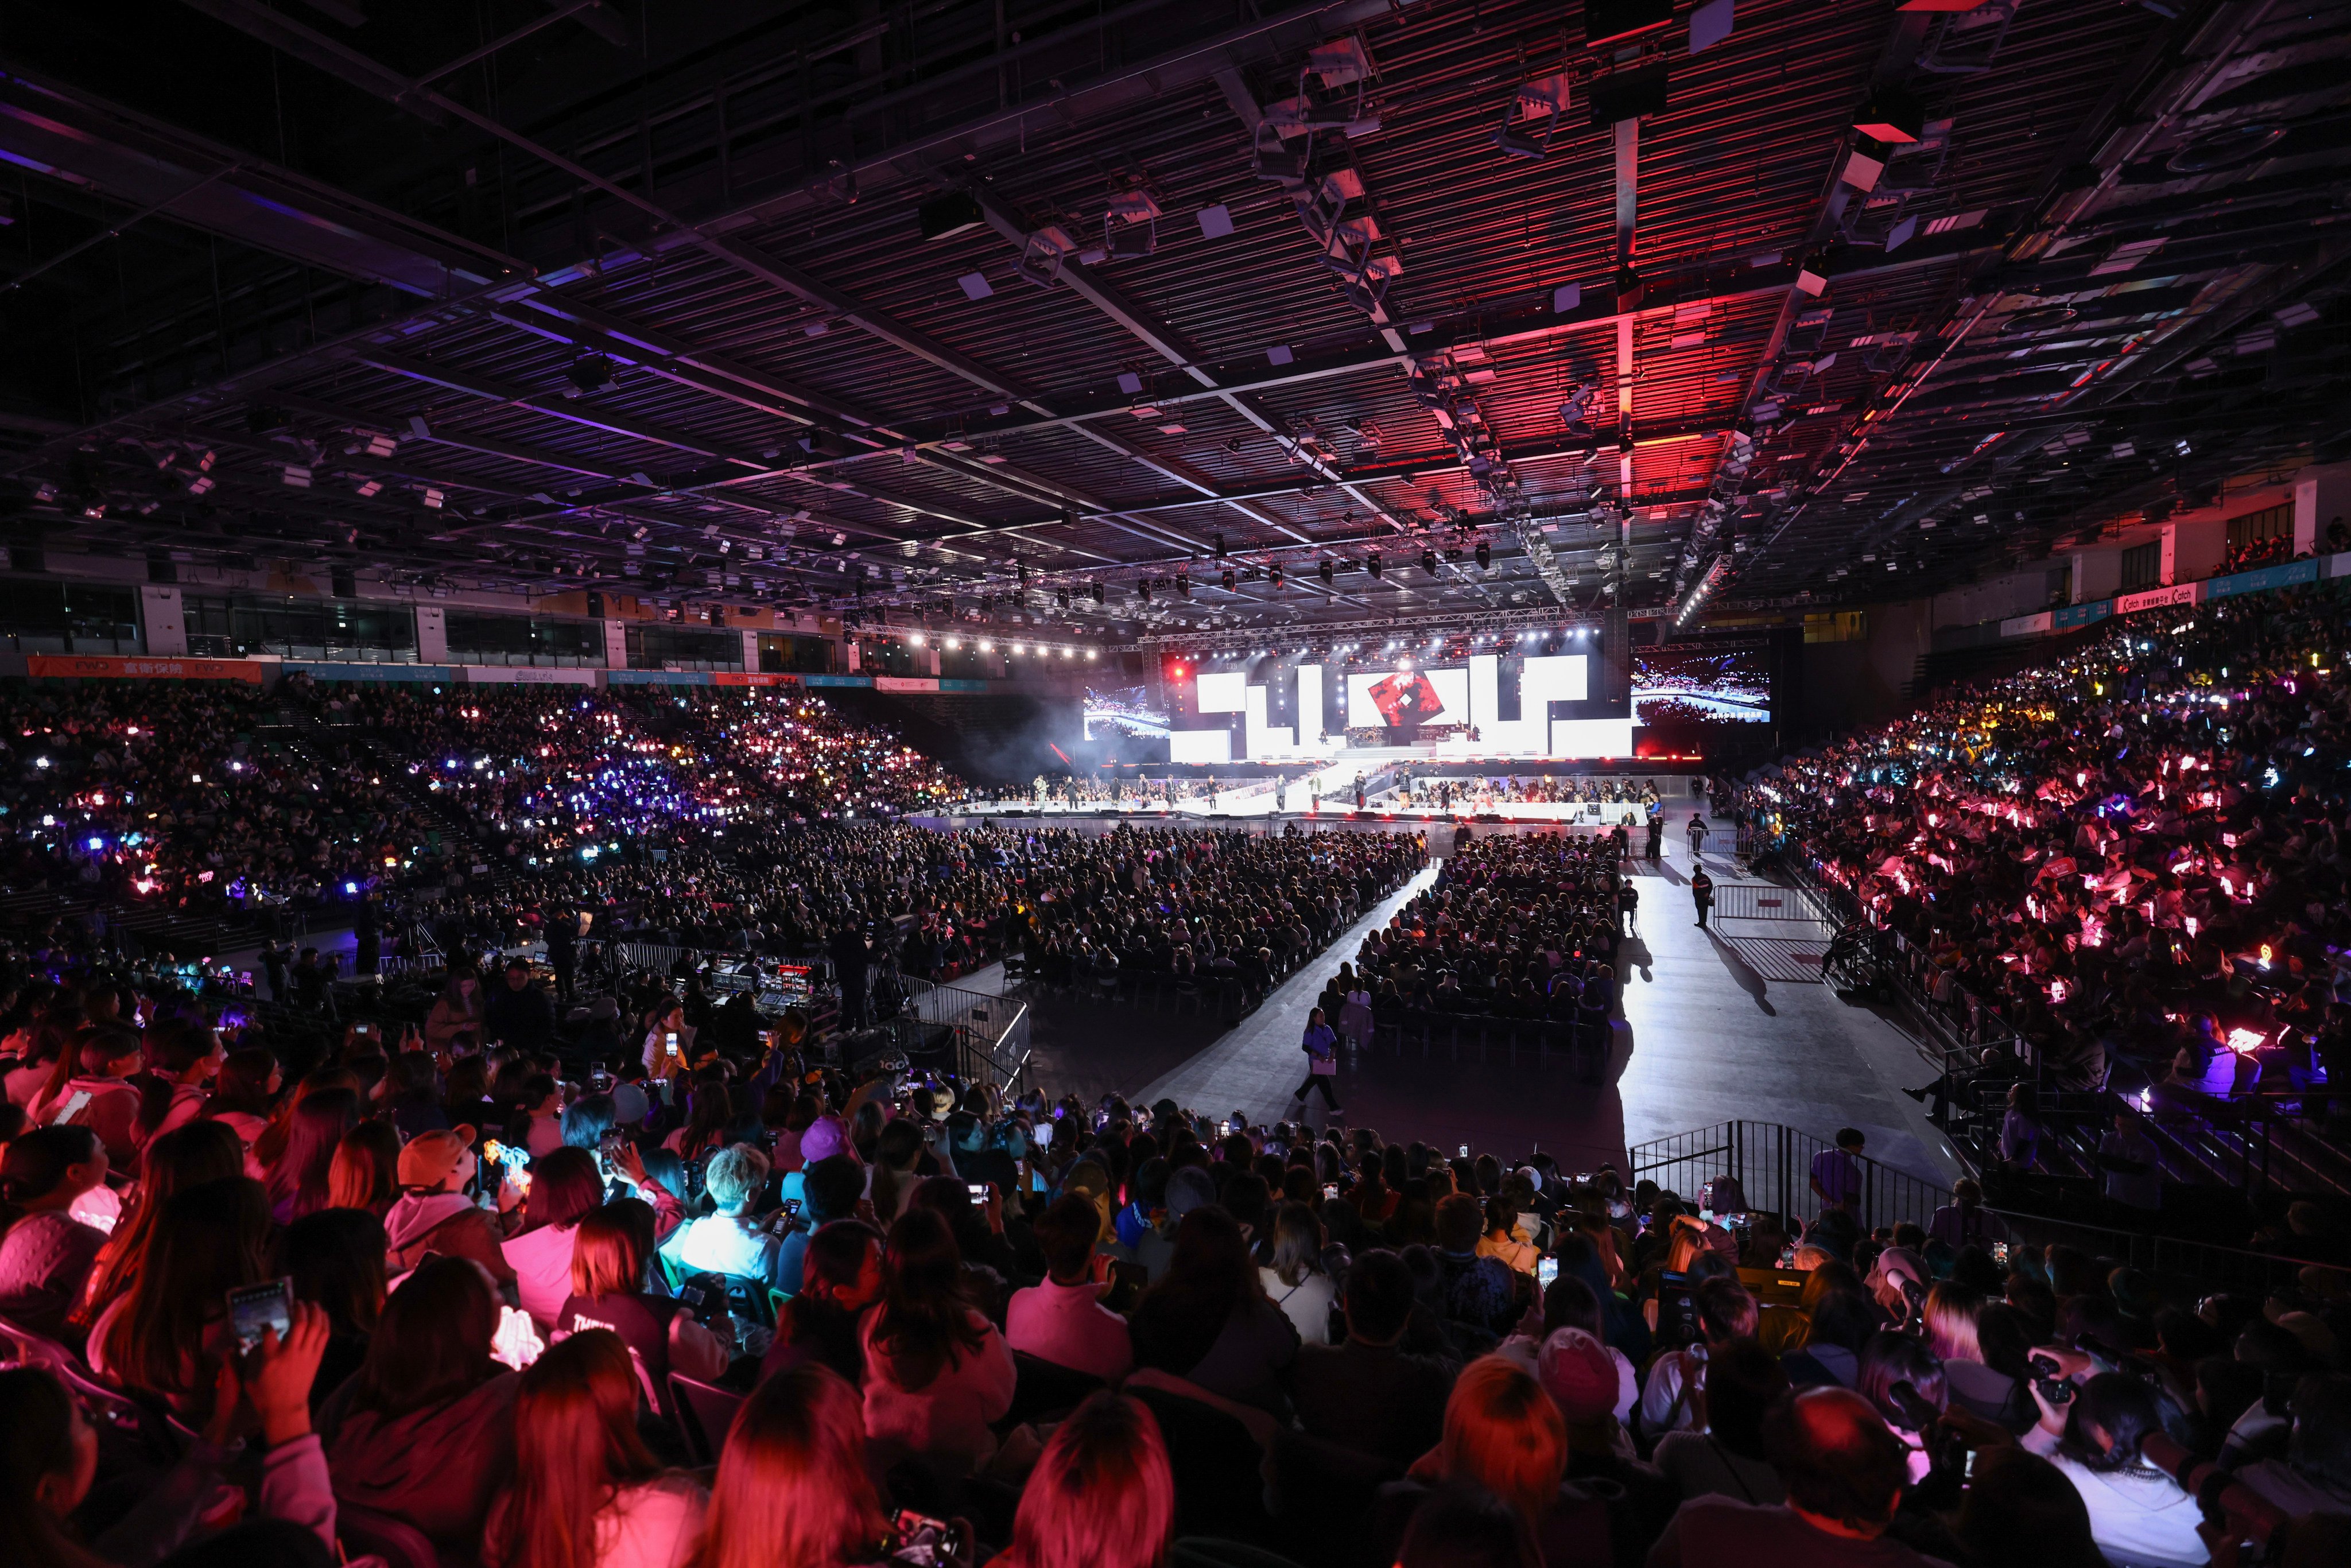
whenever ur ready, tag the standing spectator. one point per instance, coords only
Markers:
(519, 1013)
(455, 1023)
(1701, 888)
(2131, 1174)
(1836, 1173)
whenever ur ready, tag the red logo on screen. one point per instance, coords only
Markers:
(1406, 697)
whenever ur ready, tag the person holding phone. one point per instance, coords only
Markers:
(51, 1460)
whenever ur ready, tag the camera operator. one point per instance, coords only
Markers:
(2137, 1513)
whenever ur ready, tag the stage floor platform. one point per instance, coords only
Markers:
(1718, 1025)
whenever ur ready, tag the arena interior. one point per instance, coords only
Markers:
(1336, 784)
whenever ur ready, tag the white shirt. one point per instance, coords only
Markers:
(2140, 1519)
(725, 1244)
(1306, 1304)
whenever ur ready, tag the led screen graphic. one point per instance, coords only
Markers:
(1123, 710)
(1408, 699)
(1679, 689)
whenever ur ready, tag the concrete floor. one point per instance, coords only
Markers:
(1712, 1030)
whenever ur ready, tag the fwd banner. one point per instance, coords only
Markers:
(97, 666)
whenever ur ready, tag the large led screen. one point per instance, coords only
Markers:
(1676, 687)
(1408, 697)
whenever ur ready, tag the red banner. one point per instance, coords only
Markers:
(95, 666)
(752, 678)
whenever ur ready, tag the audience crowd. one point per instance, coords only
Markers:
(2135, 854)
(724, 1304)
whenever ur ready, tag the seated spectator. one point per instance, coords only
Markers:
(1901, 1378)
(49, 1457)
(335, 1259)
(1206, 1320)
(1503, 1433)
(298, 1176)
(842, 1279)
(99, 1096)
(734, 1240)
(1102, 1495)
(1569, 1303)
(423, 1431)
(937, 1370)
(611, 1256)
(1466, 1526)
(830, 1191)
(366, 1169)
(565, 1188)
(792, 1489)
(1674, 1398)
(586, 1491)
(181, 1158)
(46, 1255)
(1729, 1458)
(1064, 1320)
(2315, 1477)
(434, 1215)
(1480, 1294)
(2020, 1511)
(1843, 1474)
(2138, 1515)
(167, 1337)
(1365, 1393)
(1295, 1280)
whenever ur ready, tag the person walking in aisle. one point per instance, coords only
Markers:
(1629, 904)
(1701, 893)
(1696, 835)
(1322, 1048)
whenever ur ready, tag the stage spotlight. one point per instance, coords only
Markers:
(1099, 595)
(1275, 576)
(1143, 589)
(1219, 540)
(1484, 556)
(1328, 571)
(1225, 580)
(1373, 566)
(1428, 561)
(1183, 586)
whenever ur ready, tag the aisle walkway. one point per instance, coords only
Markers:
(1705, 1039)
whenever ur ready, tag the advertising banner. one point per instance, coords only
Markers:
(95, 666)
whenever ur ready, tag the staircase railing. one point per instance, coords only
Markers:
(1773, 1164)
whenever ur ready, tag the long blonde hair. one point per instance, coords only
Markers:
(793, 1491)
(1102, 1494)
